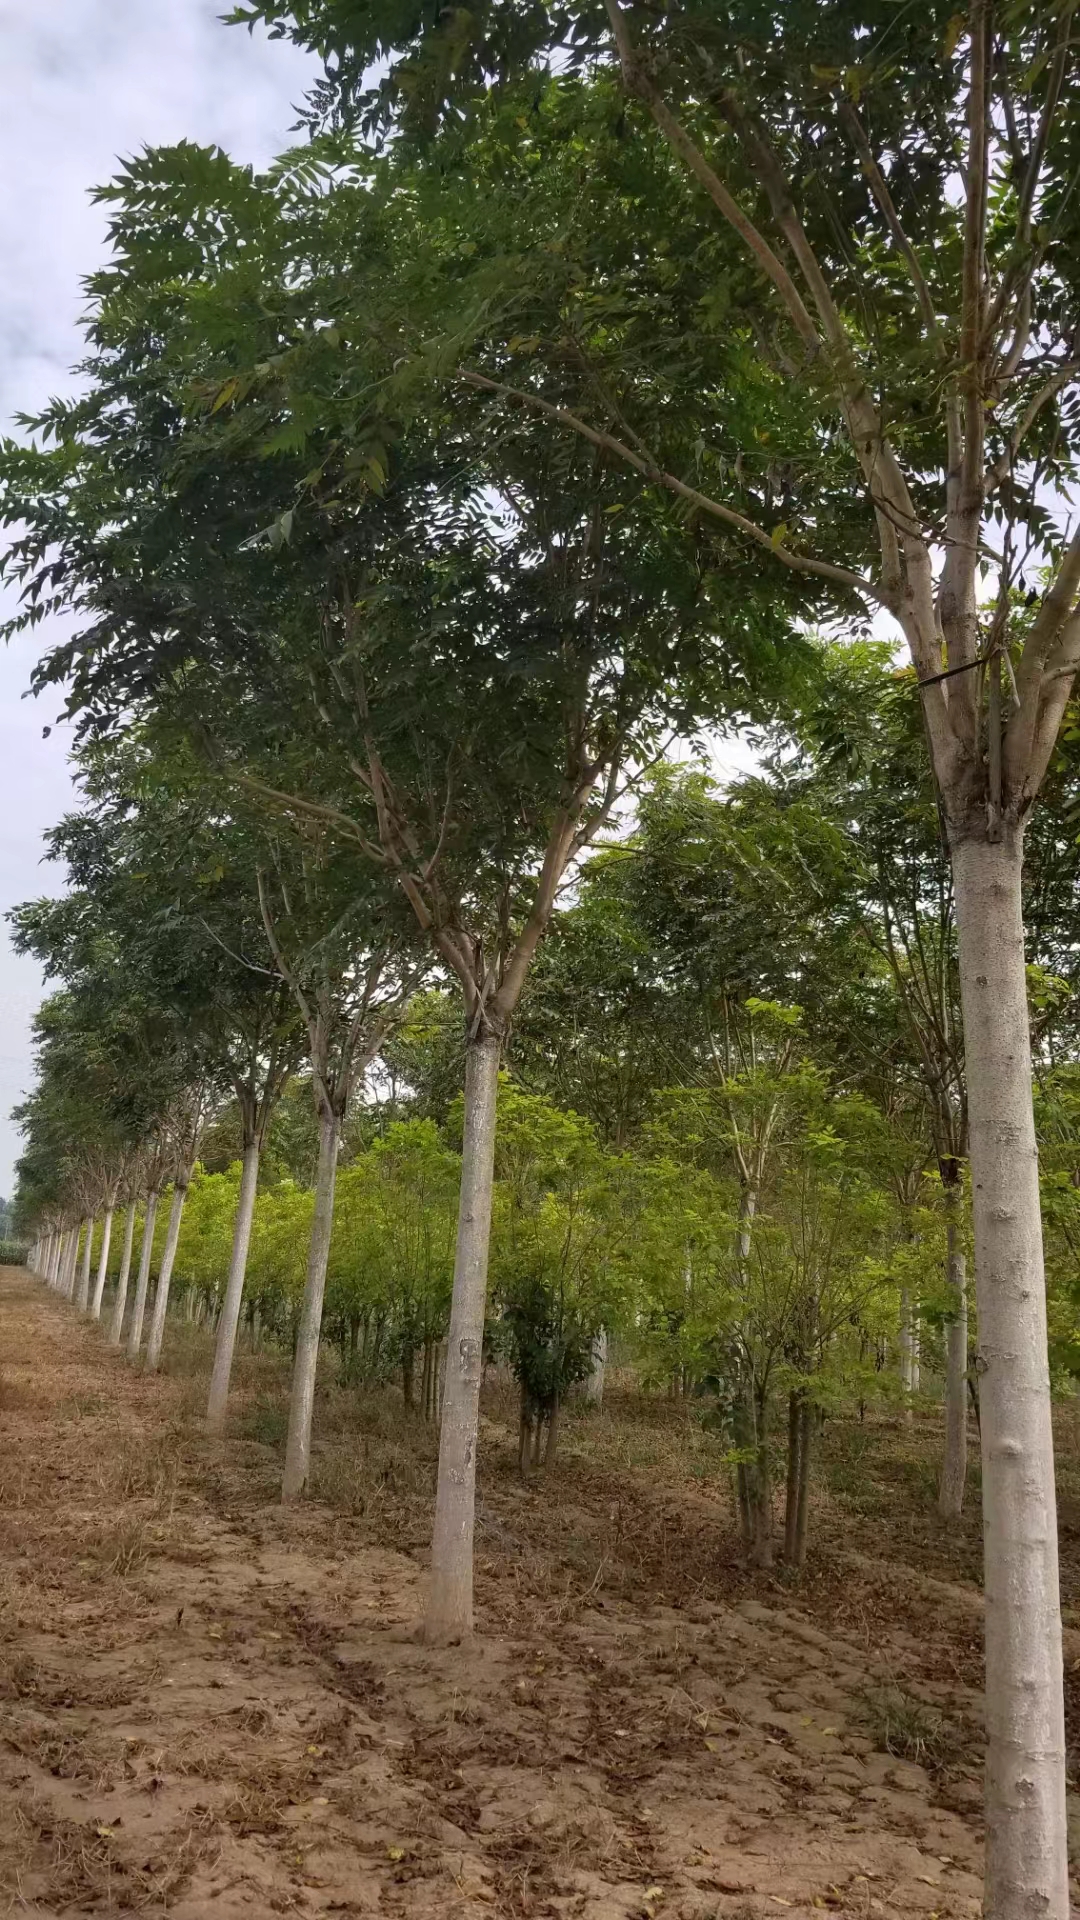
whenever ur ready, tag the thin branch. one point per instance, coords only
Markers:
(1004, 464)
(638, 83)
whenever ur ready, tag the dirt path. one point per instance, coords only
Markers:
(210, 1707)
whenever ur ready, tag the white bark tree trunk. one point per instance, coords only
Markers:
(234, 1291)
(82, 1292)
(305, 1367)
(954, 1461)
(103, 1264)
(168, 1257)
(1026, 1849)
(449, 1614)
(593, 1388)
(116, 1324)
(72, 1263)
(143, 1279)
(59, 1258)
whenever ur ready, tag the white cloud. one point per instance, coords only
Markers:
(83, 84)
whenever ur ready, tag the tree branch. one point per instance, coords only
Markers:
(798, 563)
(638, 83)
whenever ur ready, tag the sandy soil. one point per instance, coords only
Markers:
(209, 1706)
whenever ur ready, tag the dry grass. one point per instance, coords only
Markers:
(910, 1728)
(79, 1867)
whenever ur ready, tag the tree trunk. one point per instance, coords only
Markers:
(305, 1365)
(526, 1433)
(552, 1443)
(593, 1390)
(234, 1291)
(762, 1553)
(103, 1264)
(1026, 1851)
(743, 1436)
(143, 1279)
(954, 1463)
(791, 1490)
(74, 1261)
(802, 1511)
(59, 1253)
(116, 1324)
(82, 1292)
(168, 1256)
(450, 1599)
(408, 1374)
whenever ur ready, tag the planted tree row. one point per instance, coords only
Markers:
(425, 487)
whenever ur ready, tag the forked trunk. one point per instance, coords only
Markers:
(234, 1291)
(450, 1599)
(168, 1258)
(954, 1462)
(306, 1362)
(103, 1264)
(1026, 1851)
(142, 1281)
(116, 1324)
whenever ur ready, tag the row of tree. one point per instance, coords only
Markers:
(763, 1197)
(422, 488)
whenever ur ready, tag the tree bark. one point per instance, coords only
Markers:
(234, 1291)
(802, 1510)
(306, 1362)
(794, 1455)
(74, 1261)
(593, 1391)
(143, 1278)
(103, 1263)
(954, 1462)
(116, 1325)
(1026, 1849)
(450, 1600)
(763, 1546)
(168, 1257)
(82, 1291)
(551, 1445)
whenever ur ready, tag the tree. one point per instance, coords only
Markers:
(564, 1218)
(349, 971)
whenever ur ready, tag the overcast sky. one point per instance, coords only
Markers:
(83, 82)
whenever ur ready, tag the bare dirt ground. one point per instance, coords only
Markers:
(212, 1706)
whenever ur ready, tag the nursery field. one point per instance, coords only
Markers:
(212, 1704)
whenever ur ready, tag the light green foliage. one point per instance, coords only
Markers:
(392, 1258)
(564, 1219)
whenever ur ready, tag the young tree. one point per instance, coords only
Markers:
(349, 971)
